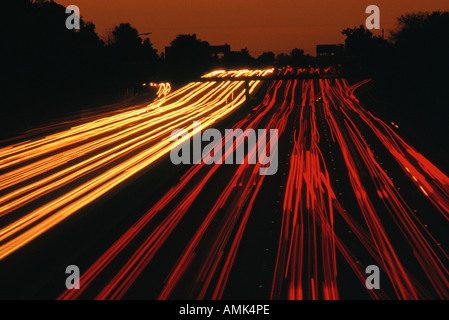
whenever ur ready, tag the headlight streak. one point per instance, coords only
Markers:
(240, 210)
(146, 134)
(307, 232)
(92, 158)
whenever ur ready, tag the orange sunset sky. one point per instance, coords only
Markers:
(259, 25)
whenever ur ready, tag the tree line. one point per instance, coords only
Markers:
(410, 72)
(50, 69)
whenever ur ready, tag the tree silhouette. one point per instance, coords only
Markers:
(266, 59)
(410, 73)
(52, 70)
(296, 58)
(421, 63)
(365, 53)
(238, 59)
(188, 57)
(126, 43)
(299, 59)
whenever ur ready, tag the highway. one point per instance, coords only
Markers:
(349, 193)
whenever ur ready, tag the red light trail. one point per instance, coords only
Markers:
(348, 200)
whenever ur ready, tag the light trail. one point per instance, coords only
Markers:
(429, 255)
(104, 153)
(308, 203)
(309, 245)
(163, 89)
(340, 208)
(241, 207)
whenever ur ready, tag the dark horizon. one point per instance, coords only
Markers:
(260, 26)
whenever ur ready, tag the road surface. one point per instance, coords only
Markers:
(349, 193)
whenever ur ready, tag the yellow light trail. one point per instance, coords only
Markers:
(104, 152)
